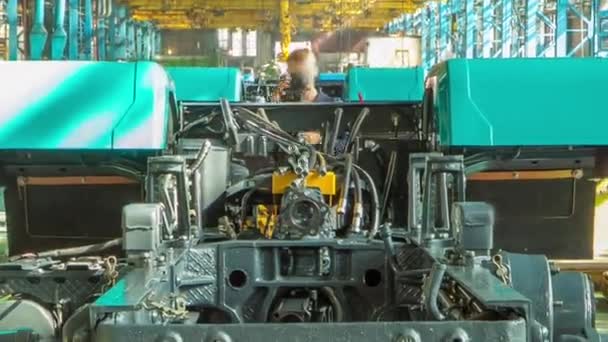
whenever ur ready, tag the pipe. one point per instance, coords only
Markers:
(59, 37)
(431, 291)
(13, 41)
(38, 34)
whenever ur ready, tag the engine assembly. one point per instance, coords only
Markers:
(243, 229)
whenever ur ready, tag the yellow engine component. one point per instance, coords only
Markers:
(326, 184)
(266, 219)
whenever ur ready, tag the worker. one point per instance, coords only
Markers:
(300, 85)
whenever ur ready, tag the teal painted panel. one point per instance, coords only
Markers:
(82, 105)
(521, 102)
(385, 84)
(206, 84)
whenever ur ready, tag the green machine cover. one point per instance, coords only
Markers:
(83, 105)
(385, 84)
(521, 102)
(198, 84)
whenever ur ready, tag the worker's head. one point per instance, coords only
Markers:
(302, 67)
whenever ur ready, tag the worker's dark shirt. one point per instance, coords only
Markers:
(322, 97)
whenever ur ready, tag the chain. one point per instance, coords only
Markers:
(167, 312)
(502, 271)
(110, 274)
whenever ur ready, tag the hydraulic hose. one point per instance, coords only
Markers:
(331, 149)
(335, 303)
(388, 181)
(356, 127)
(358, 204)
(431, 291)
(375, 209)
(201, 156)
(348, 165)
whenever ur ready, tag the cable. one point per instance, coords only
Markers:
(73, 251)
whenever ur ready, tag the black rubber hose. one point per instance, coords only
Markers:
(375, 209)
(335, 303)
(356, 127)
(331, 149)
(388, 182)
(431, 291)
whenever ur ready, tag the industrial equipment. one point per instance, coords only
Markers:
(234, 228)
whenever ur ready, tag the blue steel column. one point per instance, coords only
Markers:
(561, 28)
(120, 36)
(101, 29)
(601, 36)
(531, 28)
(38, 34)
(486, 20)
(157, 42)
(139, 41)
(88, 30)
(130, 39)
(59, 36)
(506, 29)
(444, 27)
(432, 47)
(424, 41)
(470, 28)
(74, 20)
(13, 41)
(408, 23)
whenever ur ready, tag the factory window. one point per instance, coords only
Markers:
(222, 38)
(251, 43)
(237, 43)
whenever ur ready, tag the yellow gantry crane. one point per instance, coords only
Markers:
(288, 16)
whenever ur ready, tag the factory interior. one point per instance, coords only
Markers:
(303, 170)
